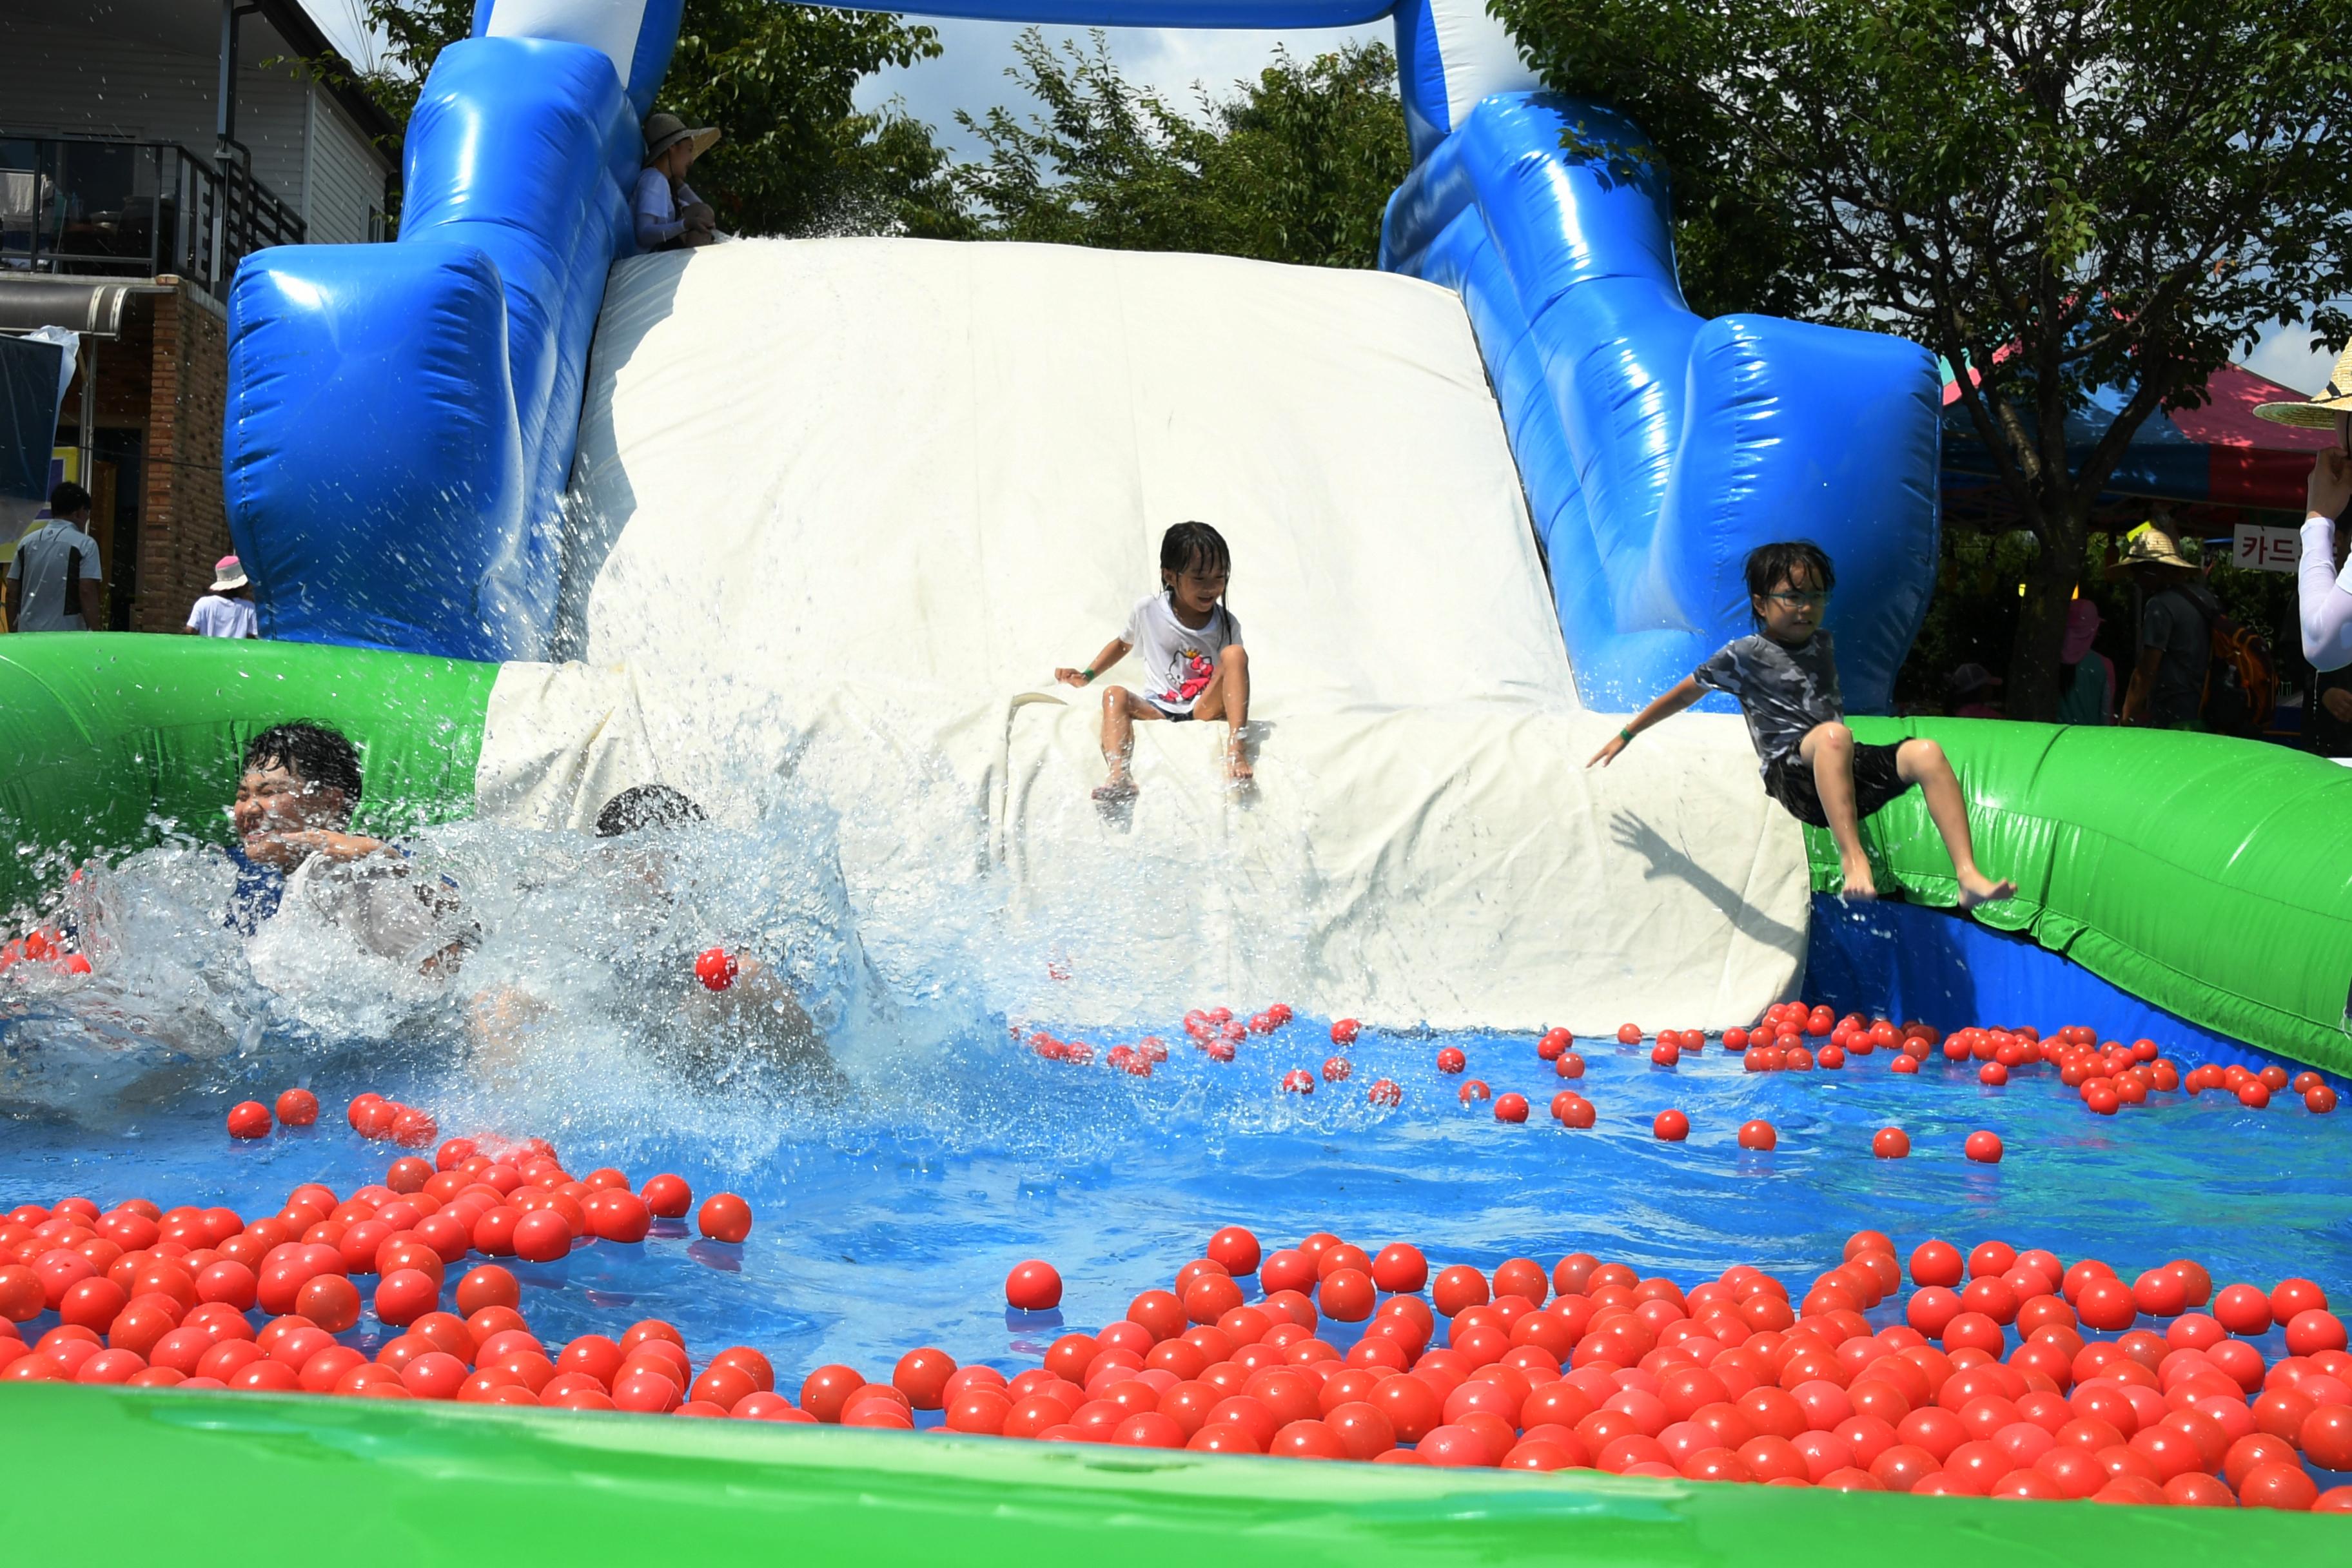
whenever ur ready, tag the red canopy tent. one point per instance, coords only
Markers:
(2220, 454)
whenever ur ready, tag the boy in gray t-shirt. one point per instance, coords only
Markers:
(1785, 678)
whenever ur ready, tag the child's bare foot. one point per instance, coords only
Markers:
(1238, 777)
(1119, 791)
(1860, 885)
(1976, 887)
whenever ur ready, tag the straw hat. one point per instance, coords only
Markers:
(664, 130)
(2318, 413)
(2149, 545)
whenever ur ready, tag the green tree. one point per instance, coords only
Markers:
(1294, 166)
(2061, 195)
(797, 155)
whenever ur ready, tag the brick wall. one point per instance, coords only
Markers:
(184, 527)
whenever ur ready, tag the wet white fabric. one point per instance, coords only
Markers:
(843, 505)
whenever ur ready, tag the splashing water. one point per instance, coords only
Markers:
(893, 1195)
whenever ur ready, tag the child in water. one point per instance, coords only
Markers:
(1192, 657)
(1785, 678)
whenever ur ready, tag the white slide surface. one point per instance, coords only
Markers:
(844, 505)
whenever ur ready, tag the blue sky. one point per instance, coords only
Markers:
(971, 75)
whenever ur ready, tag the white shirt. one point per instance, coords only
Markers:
(2325, 599)
(218, 616)
(657, 207)
(1178, 659)
(41, 564)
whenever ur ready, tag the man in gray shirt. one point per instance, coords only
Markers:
(2176, 632)
(53, 582)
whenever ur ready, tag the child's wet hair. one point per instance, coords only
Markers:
(1195, 547)
(646, 806)
(1770, 564)
(317, 755)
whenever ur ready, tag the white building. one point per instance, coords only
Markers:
(150, 71)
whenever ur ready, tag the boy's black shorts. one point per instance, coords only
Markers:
(1789, 779)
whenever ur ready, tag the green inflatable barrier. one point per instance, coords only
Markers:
(109, 742)
(2209, 875)
(366, 1482)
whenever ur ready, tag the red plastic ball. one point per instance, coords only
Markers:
(1032, 1287)
(1384, 1092)
(1511, 1108)
(1890, 1144)
(1344, 1031)
(1400, 1265)
(725, 1217)
(716, 968)
(1629, 1034)
(414, 1128)
(1450, 1059)
(1758, 1134)
(405, 1295)
(617, 1214)
(1983, 1147)
(330, 1300)
(1670, 1125)
(249, 1119)
(1571, 1109)
(667, 1196)
(543, 1236)
(297, 1107)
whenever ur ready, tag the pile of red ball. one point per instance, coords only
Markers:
(155, 1297)
(1585, 1364)
(1589, 1365)
(43, 946)
(1214, 1032)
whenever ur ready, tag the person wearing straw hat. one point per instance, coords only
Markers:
(2324, 587)
(669, 215)
(227, 610)
(2176, 629)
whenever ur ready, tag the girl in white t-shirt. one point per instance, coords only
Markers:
(1193, 662)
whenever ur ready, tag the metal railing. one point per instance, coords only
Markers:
(102, 207)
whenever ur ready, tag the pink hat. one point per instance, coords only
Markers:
(228, 574)
(2082, 625)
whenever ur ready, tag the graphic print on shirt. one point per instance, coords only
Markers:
(1197, 673)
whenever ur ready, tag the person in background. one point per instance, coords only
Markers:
(2176, 631)
(1970, 689)
(2323, 588)
(669, 215)
(2086, 681)
(227, 610)
(53, 582)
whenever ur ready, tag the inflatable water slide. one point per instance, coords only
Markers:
(829, 512)
(832, 509)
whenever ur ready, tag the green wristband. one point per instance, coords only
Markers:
(1624, 734)
(1088, 673)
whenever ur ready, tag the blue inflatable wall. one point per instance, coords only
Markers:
(402, 418)
(1656, 448)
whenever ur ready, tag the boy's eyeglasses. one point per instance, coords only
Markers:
(1799, 601)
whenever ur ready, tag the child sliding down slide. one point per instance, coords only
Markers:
(1785, 678)
(1193, 656)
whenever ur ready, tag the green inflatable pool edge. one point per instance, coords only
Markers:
(2201, 873)
(111, 742)
(410, 1484)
